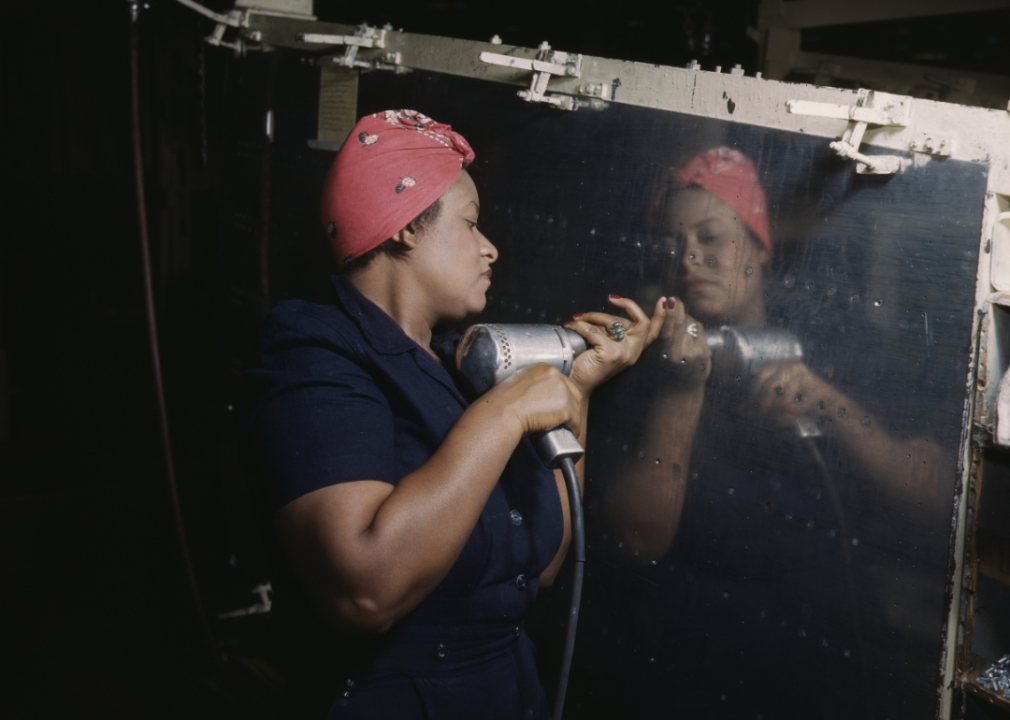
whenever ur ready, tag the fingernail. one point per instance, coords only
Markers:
(664, 303)
(578, 315)
(671, 303)
(567, 323)
(616, 297)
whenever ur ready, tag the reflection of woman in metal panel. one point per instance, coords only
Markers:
(415, 526)
(713, 217)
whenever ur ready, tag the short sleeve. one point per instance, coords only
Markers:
(320, 418)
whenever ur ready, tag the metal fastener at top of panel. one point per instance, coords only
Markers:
(966, 133)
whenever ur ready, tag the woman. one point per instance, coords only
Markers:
(714, 219)
(415, 527)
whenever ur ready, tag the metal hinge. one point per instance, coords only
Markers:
(363, 37)
(871, 108)
(548, 63)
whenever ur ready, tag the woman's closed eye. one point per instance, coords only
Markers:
(707, 237)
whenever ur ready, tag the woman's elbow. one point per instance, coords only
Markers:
(359, 615)
(644, 543)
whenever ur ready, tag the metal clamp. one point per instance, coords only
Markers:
(872, 108)
(548, 63)
(247, 39)
(363, 37)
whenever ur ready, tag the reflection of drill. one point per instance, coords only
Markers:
(742, 352)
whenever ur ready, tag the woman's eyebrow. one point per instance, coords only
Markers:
(707, 221)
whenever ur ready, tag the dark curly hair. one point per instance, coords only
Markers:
(392, 248)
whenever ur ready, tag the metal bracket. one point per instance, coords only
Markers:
(871, 108)
(548, 63)
(234, 19)
(926, 143)
(363, 37)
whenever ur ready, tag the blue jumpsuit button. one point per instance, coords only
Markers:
(517, 518)
(521, 582)
(440, 653)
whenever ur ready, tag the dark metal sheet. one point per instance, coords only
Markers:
(802, 581)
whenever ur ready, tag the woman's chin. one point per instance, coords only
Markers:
(478, 307)
(468, 311)
(702, 307)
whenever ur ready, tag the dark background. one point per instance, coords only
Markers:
(97, 613)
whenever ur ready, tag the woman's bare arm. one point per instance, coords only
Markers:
(642, 505)
(905, 468)
(369, 552)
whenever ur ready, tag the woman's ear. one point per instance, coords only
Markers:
(406, 237)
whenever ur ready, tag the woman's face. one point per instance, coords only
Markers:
(454, 256)
(721, 266)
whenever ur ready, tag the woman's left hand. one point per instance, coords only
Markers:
(789, 389)
(606, 356)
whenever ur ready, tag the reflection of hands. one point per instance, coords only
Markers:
(687, 359)
(605, 356)
(789, 389)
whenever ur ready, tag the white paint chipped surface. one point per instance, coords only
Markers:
(943, 129)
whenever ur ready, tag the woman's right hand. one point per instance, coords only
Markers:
(541, 398)
(687, 359)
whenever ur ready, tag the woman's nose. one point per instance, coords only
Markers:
(487, 248)
(689, 254)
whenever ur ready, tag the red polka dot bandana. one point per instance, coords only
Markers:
(392, 166)
(730, 176)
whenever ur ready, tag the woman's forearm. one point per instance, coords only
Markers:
(642, 505)
(904, 468)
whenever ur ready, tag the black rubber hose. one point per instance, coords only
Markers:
(579, 542)
(152, 331)
(836, 500)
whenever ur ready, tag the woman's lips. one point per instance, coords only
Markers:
(696, 284)
(487, 274)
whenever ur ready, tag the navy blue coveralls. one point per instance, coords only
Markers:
(342, 394)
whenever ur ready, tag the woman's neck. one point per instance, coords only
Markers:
(754, 315)
(393, 291)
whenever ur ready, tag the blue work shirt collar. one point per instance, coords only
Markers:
(385, 336)
(378, 329)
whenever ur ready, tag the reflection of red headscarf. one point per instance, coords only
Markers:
(392, 166)
(730, 176)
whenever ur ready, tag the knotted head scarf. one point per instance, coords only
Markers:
(392, 166)
(730, 176)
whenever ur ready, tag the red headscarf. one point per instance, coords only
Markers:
(730, 176)
(392, 166)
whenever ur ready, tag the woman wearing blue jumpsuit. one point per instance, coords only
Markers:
(414, 524)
